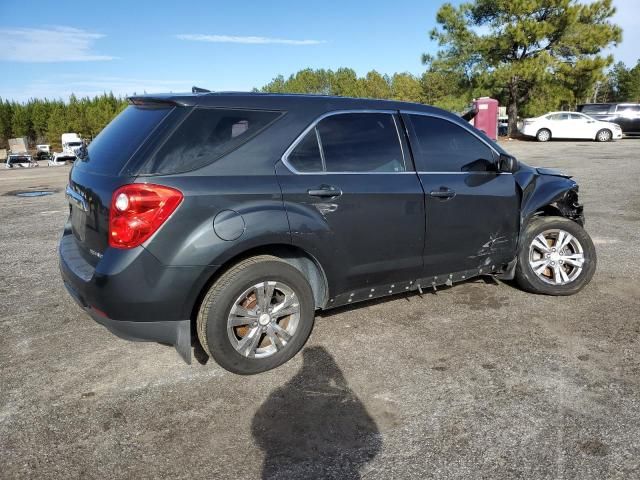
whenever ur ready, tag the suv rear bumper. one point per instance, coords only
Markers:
(173, 332)
(134, 296)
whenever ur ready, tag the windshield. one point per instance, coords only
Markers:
(74, 144)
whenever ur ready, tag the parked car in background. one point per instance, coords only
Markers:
(20, 160)
(569, 125)
(72, 145)
(627, 115)
(228, 219)
(43, 152)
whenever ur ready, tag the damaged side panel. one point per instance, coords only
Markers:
(548, 194)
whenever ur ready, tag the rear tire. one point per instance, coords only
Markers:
(239, 324)
(543, 268)
(543, 135)
(604, 135)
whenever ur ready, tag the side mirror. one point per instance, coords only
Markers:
(507, 163)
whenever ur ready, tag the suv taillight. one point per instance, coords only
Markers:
(137, 212)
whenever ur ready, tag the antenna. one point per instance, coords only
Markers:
(195, 89)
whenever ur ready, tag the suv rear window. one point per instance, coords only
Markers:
(206, 135)
(117, 142)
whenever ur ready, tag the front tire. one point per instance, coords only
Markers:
(604, 135)
(557, 257)
(256, 316)
(543, 135)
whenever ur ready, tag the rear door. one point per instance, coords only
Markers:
(559, 125)
(354, 200)
(472, 210)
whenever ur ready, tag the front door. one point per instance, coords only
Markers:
(354, 201)
(472, 210)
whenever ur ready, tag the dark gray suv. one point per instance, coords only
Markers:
(225, 220)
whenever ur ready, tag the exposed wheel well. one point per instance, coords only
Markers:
(295, 256)
(548, 211)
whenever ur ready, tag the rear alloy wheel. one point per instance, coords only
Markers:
(604, 135)
(256, 316)
(557, 257)
(263, 319)
(543, 135)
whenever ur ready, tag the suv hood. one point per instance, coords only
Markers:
(551, 171)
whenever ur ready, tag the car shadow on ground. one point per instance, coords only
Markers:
(315, 426)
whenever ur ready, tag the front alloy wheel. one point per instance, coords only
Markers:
(604, 135)
(556, 257)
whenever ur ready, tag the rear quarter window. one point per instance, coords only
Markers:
(206, 135)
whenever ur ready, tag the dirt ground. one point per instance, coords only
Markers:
(480, 380)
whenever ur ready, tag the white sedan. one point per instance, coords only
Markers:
(569, 125)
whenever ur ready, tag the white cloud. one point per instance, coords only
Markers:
(246, 39)
(46, 45)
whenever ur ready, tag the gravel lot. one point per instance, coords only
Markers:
(480, 380)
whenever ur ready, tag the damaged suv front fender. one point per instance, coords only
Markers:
(548, 192)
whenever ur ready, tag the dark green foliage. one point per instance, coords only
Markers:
(445, 90)
(44, 121)
(518, 50)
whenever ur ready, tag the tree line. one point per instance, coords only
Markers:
(533, 56)
(45, 120)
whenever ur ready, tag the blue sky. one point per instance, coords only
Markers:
(52, 48)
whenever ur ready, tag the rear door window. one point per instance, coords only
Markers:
(444, 146)
(206, 135)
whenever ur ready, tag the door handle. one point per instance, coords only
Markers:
(443, 193)
(325, 191)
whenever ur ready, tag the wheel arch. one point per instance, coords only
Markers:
(595, 137)
(544, 128)
(295, 256)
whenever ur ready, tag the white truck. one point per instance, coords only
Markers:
(71, 143)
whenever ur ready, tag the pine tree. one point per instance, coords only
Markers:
(515, 46)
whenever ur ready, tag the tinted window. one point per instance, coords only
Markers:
(447, 147)
(115, 144)
(595, 108)
(361, 142)
(205, 136)
(628, 108)
(306, 156)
